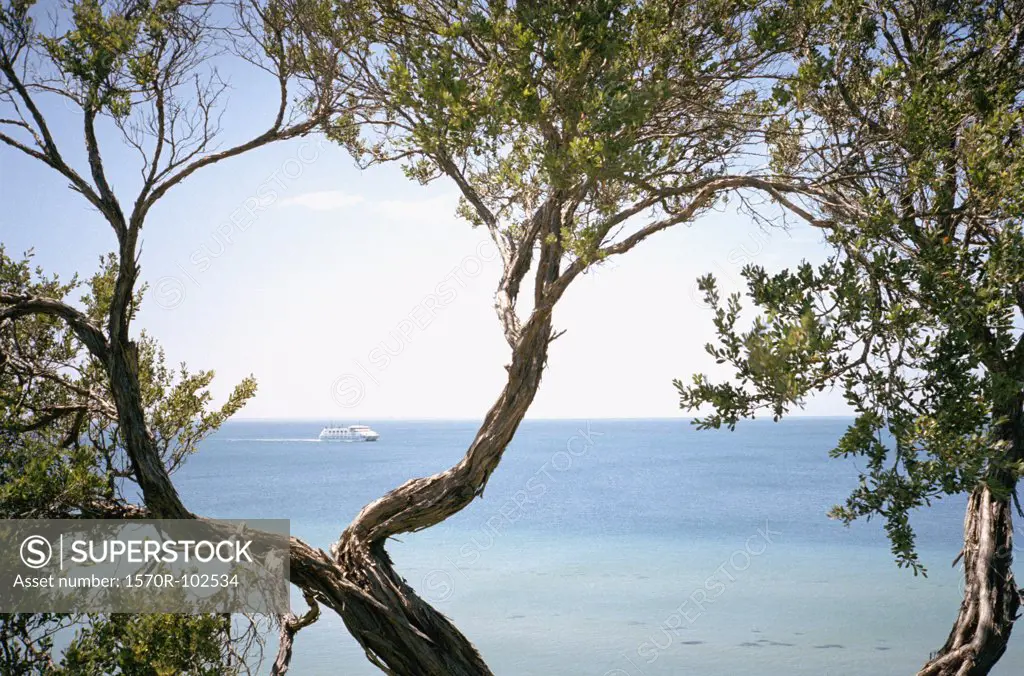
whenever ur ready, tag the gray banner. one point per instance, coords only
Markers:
(144, 566)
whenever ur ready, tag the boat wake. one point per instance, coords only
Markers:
(276, 439)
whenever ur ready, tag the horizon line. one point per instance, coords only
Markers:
(545, 418)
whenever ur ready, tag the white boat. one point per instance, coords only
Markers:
(350, 433)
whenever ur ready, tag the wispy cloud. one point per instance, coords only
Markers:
(326, 200)
(436, 209)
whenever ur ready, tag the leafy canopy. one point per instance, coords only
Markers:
(605, 109)
(911, 112)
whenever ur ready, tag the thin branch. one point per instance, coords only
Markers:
(291, 625)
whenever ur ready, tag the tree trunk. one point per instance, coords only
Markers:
(400, 632)
(991, 597)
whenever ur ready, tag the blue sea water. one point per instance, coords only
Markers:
(617, 547)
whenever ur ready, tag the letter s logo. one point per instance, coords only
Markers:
(36, 551)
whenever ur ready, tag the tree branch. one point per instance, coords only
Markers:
(111, 207)
(50, 153)
(291, 625)
(23, 305)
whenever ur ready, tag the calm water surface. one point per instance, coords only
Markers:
(617, 548)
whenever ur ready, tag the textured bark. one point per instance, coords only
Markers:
(290, 625)
(122, 364)
(160, 496)
(400, 632)
(991, 598)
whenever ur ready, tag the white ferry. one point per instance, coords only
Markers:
(350, 433)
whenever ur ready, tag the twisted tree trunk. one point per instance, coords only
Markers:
(991, 598)
(400, 632)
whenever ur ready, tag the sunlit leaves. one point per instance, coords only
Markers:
(56, 407)
(916, 317)
(595, 105)
(60, 450)
(110, 50)
(149, 645)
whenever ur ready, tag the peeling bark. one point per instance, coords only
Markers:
(291, 625)
(400, 632)
(991, 597)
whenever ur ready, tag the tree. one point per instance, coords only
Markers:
(89, 413)
(908, 115)
(62, 456)
(574, 133)
(147, 70)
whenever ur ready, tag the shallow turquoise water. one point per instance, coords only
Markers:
(614, 548)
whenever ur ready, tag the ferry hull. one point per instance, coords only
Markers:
(345, 441)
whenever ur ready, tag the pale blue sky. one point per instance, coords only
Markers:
(322, 288)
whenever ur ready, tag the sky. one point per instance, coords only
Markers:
(358, 294)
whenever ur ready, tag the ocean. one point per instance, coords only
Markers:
(617, 547)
